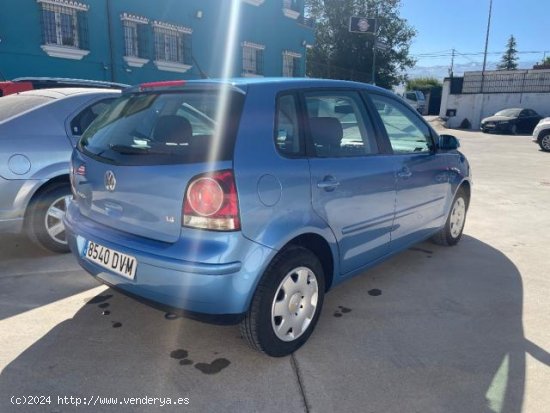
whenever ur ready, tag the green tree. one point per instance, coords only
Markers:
(423, 84)
(509, 59)
(546, 61)
(339, 54)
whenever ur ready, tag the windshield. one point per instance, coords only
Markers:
(16, 104)
(510, 113)
(162, 128)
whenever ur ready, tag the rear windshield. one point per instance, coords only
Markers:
(164, 128)
(13, 105)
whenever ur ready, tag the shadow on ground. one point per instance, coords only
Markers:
(31, 277)
(432, 330)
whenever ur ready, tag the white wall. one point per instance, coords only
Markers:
(475, 107)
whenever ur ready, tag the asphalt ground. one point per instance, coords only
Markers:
(434, 329)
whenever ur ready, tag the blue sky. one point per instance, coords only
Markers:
(444, 24)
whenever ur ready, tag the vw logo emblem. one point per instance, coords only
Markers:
(110, 181)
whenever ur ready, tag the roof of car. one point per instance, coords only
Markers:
(58, 93)
(244, 82)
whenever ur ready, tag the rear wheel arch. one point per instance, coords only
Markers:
(321, 248)
(58, 180)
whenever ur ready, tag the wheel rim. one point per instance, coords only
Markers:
(457, 218)
(514, 129)
(545, 142)
(54, 219)
(295, 304)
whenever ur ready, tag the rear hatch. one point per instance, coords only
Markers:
(132, 167)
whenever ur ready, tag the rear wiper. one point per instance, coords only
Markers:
(142, 150)
(129, 150)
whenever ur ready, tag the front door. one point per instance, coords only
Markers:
(423, 189)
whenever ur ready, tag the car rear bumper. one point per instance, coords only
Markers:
(217, 290)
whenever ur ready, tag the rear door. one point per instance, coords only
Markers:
(352, 182)
(423, 188)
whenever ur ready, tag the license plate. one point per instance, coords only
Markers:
(112, 260)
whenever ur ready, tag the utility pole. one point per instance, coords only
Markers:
(374, 63)
(375, 38)
(486, 44)
(452, 63)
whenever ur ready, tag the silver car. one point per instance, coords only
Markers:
(38, 130)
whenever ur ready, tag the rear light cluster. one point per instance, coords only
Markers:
(80, 170)
(211, 202)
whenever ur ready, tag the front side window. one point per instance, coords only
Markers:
(172, 43)
(337, 123)
(63, 24)
(253, 59)
(406, 131)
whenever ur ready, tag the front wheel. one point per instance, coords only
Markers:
(451, 233)
(544, 142)
(287, 303)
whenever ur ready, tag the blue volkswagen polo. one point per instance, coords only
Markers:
(246, 201)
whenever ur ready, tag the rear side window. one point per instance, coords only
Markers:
(337, 123)
(13, 105)
(84, 119)
(287, 130)
(407, 133)
(164, 128)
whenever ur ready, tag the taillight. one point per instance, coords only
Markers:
(211, 202)
(80, 170)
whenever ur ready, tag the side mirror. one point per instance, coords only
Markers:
(448, 143)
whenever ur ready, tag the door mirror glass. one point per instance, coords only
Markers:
(448, 143)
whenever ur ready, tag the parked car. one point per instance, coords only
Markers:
(512, 121)
(23, 84)
(541, 134)
(38, 130)
(416, 99)
(247, 201)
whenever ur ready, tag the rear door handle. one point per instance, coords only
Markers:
(329, 183)
(404, 173)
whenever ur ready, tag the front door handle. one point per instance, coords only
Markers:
(404, 173)
(329, 183)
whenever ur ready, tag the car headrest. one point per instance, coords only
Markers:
(326, 131)
(173, 129)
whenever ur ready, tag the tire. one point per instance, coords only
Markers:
(544, 142)
(44, 218)
(514, 130)
(450, 234)
(265, 325)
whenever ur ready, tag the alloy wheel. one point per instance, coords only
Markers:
(54, 219)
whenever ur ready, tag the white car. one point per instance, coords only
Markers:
(541, 134)
(416, 99)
